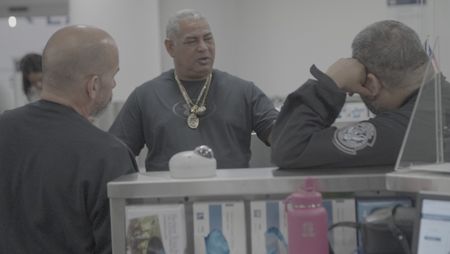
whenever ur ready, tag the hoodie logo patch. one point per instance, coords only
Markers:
(351, 139)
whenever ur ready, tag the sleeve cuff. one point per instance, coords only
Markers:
(324, 79)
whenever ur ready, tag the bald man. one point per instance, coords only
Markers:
(54, 164)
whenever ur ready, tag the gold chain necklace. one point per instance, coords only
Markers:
(197, 108)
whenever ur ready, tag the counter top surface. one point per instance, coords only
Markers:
(249, 181)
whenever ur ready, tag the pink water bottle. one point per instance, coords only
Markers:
(307, 221)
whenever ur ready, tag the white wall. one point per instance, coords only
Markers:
(135, 27)
(436, 26)
(273, 43)
(288, 36)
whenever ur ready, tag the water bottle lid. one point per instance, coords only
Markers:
(310, 184)
(307, 196)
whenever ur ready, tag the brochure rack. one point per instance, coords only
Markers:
(233, 184)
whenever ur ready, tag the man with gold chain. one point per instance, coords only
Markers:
(194, 104)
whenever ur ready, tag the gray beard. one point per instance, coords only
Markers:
(100, 109)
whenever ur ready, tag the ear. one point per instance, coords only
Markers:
(93, 86)
(170, 47)
(373, 85)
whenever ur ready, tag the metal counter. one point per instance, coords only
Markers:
(416, 181)
(249, 181)
(247, 184)
(244, 184)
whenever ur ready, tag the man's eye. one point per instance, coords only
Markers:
(189, 42)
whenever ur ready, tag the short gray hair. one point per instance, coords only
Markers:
(173, 26)
(391, 51)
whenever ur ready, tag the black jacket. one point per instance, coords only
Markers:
(303, 135)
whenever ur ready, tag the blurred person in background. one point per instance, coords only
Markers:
(31, 67)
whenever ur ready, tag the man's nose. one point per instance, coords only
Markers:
(202, 45)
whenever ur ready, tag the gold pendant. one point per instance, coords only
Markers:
(201, 110)
(193, 121)
(194, 109)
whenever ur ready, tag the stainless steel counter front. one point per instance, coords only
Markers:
(416, 181)
(159, 187)
(251, 181)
